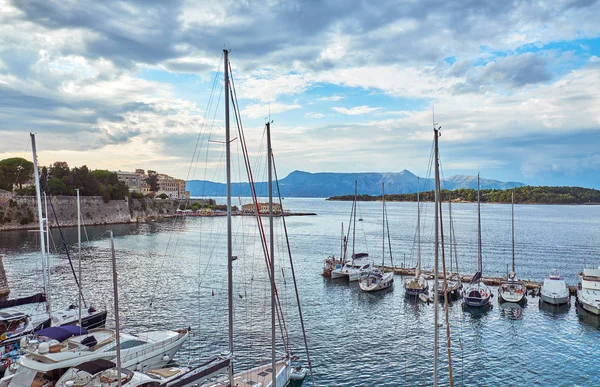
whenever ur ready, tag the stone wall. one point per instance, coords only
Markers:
(22, 213)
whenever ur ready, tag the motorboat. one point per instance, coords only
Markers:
(353, 270)
(61, 348)
(375, 280)
(588, 290)
(555, 290)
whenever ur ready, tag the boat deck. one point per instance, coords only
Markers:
(257, 376)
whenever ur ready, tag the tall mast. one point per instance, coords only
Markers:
(41, 222)
(116, 297)
(79, 253)
(479, 264)
(445, 274)
(436, 253)
(354, 225)
(450, 229)
(229, 243)
(342, 243)
(383, 229)
(272, 254)
(47, 226)
(418, 269)
(512, 199)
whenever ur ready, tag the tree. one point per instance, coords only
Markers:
(59, 169)
(57, 187)
(152, 181)
(163, 196)
(16, 170)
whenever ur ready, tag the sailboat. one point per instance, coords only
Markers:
(418, 284)
(453, 281)
(358, 263)
(18, 324)
(511, 289)
(477, 294)
(331, 263)
(279, 371)
(378, 279)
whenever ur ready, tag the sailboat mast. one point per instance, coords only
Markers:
(41, 221)
(354, 224)
(272, 254)
(479, 264)
(229, 243)
(450, 230)
(47, 227)
(383, 223)
(116, 299)
(512, 199)
(342, 243)
(418, 228)
(436, 254)
(79, 253)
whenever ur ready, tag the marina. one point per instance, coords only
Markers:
(331, 304)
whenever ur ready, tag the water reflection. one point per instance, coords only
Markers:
(554, 310)
(511, 310)
(588, 318)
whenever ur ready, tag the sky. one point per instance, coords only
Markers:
(350, 85)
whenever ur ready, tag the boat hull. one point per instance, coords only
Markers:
(555, 300)
(370, 284)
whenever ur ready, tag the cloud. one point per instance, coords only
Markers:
(356, 111)
(263, 110)
(314, 115)
(334, 98)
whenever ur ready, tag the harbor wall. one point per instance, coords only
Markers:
(21, 212)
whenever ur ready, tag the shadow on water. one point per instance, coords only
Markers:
(587, 318)
(554, 311)
(511, 311)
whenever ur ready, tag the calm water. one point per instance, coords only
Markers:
(173, 274)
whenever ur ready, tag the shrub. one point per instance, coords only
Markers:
(163, 196)
(137, 195)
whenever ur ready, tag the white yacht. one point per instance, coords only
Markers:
(588, 290)
(62, 351)
(376, 280)
(554, 290)
(353, 270)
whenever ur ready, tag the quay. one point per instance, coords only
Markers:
(493, 281)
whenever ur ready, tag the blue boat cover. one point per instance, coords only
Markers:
(62, 333)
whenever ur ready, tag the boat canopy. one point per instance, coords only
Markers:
(95, 366)
(360, 255)
(12, 315)
(62, 333)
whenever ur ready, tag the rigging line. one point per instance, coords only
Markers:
(62, 237)
(253, 188)
(287, 240)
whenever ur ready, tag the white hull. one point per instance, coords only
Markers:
(373, 284)
(553, 300)
(338, 273)
(259, 376)
(588, 290)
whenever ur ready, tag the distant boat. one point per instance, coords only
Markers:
(588, 290)
(554, 290)
(377, 279)
(477, 294)
(360, 219)
(511, 289)
(418, 284)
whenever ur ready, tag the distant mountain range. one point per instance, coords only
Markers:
(326, 184)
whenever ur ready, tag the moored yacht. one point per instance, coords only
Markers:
(54, 350)
(353, 270)
(418, 284)
(554, 290)
(588, 290)
(511, 289)
(477, 294)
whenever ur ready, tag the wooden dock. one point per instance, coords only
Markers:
(493, 281)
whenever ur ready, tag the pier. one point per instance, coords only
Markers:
(493, 281)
